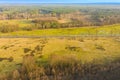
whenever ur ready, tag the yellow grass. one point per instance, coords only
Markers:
(86, 51)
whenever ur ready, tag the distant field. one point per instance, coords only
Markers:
(101, 30)
(85, 50)
(20, 23)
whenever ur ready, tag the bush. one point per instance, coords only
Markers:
(10, 59)
(8, 28)
(26, 50)
(16, 75)
(100, 47)
(28, 28)
(81, 40)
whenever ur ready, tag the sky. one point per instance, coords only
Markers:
(59, 1)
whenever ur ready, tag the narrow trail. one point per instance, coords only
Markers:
(61, 36)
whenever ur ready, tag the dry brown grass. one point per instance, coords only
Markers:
(54, 51)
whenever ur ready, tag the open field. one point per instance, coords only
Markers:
(21, 23)
(59, 41)
(101, 30)
(53, 50)
(91, 52)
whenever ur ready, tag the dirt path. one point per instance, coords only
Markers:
(64, 36)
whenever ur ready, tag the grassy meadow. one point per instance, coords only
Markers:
(92, 30)
(59, 42)
(57, 50)
(52, 58)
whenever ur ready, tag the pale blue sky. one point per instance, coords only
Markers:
(59, 1)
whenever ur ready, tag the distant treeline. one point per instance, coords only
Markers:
(78, 16)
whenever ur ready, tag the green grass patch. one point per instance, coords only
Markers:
(103, 30)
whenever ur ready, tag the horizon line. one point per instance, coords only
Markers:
(58, 3)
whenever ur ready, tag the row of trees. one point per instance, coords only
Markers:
(92, 15)
(38, 24)
(47, 17)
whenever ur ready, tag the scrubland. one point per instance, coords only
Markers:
(59, 42)
(70, 58)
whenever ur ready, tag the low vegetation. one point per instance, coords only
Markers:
(59, 42)
(60, 58)
(110, 30)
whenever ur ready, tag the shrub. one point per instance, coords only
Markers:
(29, 63)
(9, 28)
(28, 28)
(65, 68)
(100, 47)
(73, 48)
(26, 50)
(81, 40)
(1, 59)
(16, 75)
(10, 59)
(37, 48)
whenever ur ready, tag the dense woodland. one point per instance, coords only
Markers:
(47, 16)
